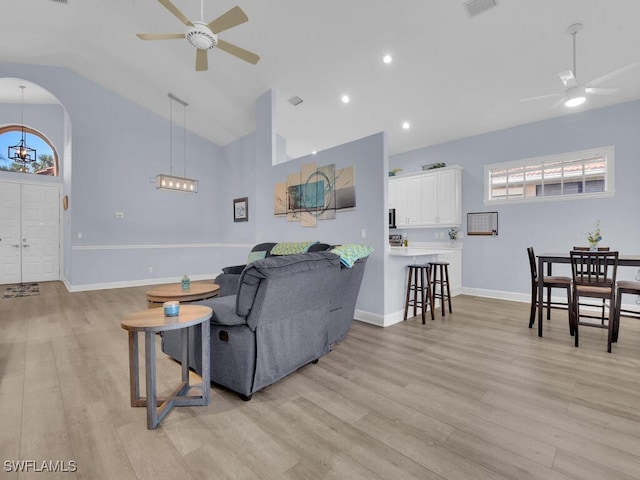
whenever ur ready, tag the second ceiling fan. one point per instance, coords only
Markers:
(576, 93)
(204, 36)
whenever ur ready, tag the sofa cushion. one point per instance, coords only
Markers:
(253, 256)
(224, 311)
(277, 266)
(350, 253)
(291, 248)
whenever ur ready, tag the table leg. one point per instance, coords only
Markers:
(206, 362)
(185, 354)
(540, 294)
(150, 370)
(134, 377)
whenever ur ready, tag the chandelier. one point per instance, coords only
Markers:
(171, 182)
(22, 153)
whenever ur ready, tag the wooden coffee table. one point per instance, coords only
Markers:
(165, 293)
(150, 322)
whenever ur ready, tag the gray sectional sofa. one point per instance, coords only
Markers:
(286, 311)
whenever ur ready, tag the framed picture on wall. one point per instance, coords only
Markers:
(241, 209)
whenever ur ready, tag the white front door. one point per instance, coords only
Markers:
(10, 239)
(35, 216)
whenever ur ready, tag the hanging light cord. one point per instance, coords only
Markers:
(184, 134)
(170, 134)
(24, 141)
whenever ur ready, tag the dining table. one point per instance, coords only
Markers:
(548, 259)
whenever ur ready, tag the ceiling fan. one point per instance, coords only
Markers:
(575, 93)
(204, 36)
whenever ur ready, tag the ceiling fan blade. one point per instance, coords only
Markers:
(611, 74)
(241, 53)
(202, 63)
(600, 91)
(540, 97)
(228, 20)
(159, 36)
(568, 79)
(173, 9)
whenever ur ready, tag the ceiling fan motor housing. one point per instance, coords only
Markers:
(201, 37)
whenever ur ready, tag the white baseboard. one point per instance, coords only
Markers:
(379, 320)
(133, 283)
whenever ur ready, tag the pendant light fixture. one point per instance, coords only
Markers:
(171, 182)
(22, 153)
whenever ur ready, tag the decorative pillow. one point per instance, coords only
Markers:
(253, 256)
(290, 248)
(350, 253)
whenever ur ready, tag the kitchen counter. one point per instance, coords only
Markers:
(415, 251)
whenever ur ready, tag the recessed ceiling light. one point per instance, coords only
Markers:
(345, 99)
(387, 58)
(406, 125)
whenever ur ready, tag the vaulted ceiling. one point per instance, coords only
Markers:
(453, 75)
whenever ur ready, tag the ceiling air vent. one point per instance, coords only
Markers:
(295, 100)
(474, 7)
(60, 1)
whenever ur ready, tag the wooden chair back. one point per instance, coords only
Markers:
(594, 269)
(532, 265)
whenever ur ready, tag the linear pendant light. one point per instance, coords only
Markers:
(172, 182)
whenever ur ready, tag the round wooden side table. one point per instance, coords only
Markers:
(149, 322)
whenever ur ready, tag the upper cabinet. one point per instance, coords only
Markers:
(432, 198)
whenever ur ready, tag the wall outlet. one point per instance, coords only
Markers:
(363, 233)
(150, 269)
(435, 235)
(119, 214)
(79, 234)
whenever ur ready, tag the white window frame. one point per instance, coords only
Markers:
(569, 157)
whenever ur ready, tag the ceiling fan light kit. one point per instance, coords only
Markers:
(574, 96)
(201, 37)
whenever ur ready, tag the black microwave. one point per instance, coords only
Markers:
(392, 218)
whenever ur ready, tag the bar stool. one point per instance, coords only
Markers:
(440, 279)
(419, 284)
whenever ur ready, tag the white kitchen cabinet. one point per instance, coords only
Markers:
(407, 193)
(428, 199)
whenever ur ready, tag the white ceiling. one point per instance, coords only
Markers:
(452, 75)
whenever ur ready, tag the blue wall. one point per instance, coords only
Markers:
(117, 148)
(499, 264)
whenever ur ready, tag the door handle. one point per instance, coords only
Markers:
(25, 245)
(16, 246)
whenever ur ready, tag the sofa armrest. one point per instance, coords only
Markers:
(224, 311)
(235, 269)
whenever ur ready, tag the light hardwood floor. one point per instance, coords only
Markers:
(474, 395)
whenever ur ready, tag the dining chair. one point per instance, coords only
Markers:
(604, 302)
(594, 276)
(630, 288)
(549, 282)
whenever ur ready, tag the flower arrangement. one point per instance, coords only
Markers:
(453, 234)
(392, 173)
(594, 237)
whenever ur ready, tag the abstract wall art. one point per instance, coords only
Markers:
(315, 193)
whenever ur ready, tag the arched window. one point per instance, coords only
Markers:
(46, 156)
